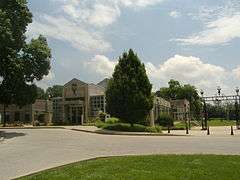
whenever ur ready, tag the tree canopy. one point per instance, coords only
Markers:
(179, 91)
(129, 94)
(55, 91)
(21, 63)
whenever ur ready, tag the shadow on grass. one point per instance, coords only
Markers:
(10, 135)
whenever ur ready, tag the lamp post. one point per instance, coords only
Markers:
(204, 125)
(237, 107)
(219, 90)
(201, 92)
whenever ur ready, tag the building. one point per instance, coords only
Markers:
(40, 111)
(160, 105)
(104, 83)
(180, 109)
(57, 110)
(80, 103)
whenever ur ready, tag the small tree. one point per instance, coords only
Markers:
(165, 120)
(128, 95)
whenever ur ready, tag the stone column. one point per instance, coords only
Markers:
(152, 119)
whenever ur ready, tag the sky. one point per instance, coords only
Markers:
(192, 41)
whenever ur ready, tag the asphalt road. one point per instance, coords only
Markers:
(27, 151)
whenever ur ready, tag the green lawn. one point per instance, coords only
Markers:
(219, 122)
(165, 167)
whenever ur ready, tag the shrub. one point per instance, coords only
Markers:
(128, 128)
(156, 129)
(102, 116)
(99, 124)
(165, 120)
(125, 127)
(112, 120)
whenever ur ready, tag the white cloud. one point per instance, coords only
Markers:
(175, 14)
(62, 29)
(236, 73)
(220, 31)
(186, 69)
(101, 13)
(81, 22)
(101, 65)
(47, 81)
(221, 25)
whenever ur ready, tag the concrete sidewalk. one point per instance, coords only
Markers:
(218, 131)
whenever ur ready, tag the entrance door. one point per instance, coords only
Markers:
(76, 115)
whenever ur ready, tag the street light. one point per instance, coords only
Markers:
(201, 91)
(237, 107)
(205, 111)
(237, 91)
(219, 90)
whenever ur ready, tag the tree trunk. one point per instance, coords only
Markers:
(4, 115)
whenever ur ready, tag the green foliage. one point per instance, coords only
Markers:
(221, 122)
(187, 91)
(41, 94)
(55, 91)
(21, 64)
(112, 120)
(102, 116)
(165, 120)
(128, 94)
(125, 127)
(99, 123)
(154, 129)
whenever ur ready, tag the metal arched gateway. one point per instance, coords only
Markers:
(219, 98)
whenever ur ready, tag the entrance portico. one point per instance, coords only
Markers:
(74, 111)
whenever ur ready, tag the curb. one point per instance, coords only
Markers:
(103, 132)
(2, 128)
(1, 136)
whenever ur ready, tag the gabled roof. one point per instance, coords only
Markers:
(104, 83)
(75, 80)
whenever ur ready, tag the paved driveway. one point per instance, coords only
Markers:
(27, 151)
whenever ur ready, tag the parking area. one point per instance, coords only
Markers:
(26, 151)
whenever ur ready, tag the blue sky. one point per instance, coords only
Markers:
(192, 41)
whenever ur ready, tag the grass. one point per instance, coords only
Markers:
(220, 122)
(161, 167)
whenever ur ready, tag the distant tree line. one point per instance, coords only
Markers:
(227, 112)
(51, 92)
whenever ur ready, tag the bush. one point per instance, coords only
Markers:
(102, 116)
(128, 128)
(112, 120)
(99, 124)
(165, 120)
(156, 129)
(125, 127)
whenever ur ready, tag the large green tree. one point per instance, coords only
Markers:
(178, 91)
(55, 91)
(129, 94)
(21, 63)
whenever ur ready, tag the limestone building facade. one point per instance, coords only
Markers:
(80, 103)
(180, 109)
(40, 111)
